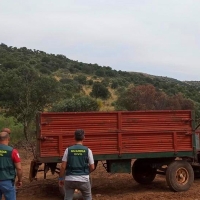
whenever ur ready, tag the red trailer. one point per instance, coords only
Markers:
(162, 142)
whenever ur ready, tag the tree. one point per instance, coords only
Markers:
(146, 97)
(81, 79)
(23, 92)
(138, 98)
(100, 72)
(11, 65)
(105, 82)
(88, 69)
(90, 82)
(180, 103)
(76, 104)
(99, 91)
(110, 73)
(114, 84)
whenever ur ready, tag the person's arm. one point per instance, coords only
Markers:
(92, 168)
(61, 178)
(17, 162)
(18, 167)
(91, 161)
(62, 169)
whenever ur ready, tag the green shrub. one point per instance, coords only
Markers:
(16, 128)
(100, 91)
(76, 104)
(114, 84)
(90, 82)
(100, 72)
(80, 79)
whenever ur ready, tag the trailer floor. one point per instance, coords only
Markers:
(105, 187)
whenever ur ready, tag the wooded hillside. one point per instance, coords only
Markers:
(33, 80)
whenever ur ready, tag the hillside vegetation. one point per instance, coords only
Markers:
(32, 81)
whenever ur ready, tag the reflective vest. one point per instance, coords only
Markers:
(7, 167)
(77, 161)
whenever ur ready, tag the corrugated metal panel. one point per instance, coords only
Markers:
(50, 146)
(117, 132)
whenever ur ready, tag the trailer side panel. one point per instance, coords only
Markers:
(116, 133)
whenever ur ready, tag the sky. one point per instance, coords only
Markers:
(158, 37)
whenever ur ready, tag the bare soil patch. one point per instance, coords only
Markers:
(105, 187)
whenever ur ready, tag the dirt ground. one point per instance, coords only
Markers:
(105, 187)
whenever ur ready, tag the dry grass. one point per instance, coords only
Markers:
(87, 89)
(106, 105)
(57, 78)
(94, 79)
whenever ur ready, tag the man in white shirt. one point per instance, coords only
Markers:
(78, 162)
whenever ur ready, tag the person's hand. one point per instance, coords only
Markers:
(18, 184)
(61, 183)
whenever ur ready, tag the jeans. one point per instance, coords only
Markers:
(7, 188)
(84, 187)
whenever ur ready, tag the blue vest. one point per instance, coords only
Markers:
(77, 161)
(7, 167)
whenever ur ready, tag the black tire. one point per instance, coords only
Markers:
(143, 172)
(179, 176)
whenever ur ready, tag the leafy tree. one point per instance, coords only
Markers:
(110, 73)
(65, 91)
(105, 82)
(146, 97)
(70, 85)
(11, 65)
(100, 72)
(66, 80)
(90, 82)
(80, 79)
(120, 91)
(73, 87)
(73, 70)
(44, 70)
(76, 104)
(99, 91)
(32, 62)
(179, 102)
(46, 59)
(138, 98)
(23, 92)
(88, 69)
(114, 84)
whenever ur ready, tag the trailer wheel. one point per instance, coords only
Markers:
(143, 172)
(179, 176)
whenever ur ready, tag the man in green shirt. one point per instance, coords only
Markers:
(10, 166)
